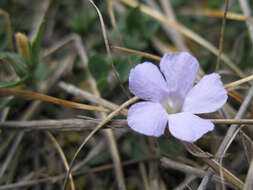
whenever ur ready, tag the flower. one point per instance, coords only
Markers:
(172, 99)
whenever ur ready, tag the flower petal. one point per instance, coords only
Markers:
(147, 82)
(148, 118)
(180, 70)
(207, 96)
(188, 127)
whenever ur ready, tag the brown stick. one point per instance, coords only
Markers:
(74, 124)
(46, 98)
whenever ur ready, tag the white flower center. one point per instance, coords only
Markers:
(172, 104)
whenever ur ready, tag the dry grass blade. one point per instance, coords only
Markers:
(218, 64)
(115, 27)
(245, 6)
(225, 151)
(227, 174)
(63, 157)
(144, 176)
(247, 144)
(106, 120)
(230, 142)
(146, 55)
(229, 134)
(222, 35)
(54, 179)
(46, 98)
(59, 44)
(90, 97)
(196, 151)
(187, 32)
(239, 82)
(113, 20)
(63, 125)
(109, 135)
(216, 13)
(175, 36)
(108, 49)
(74, 124)
(233, 121)
(249, 178)
(235, 97)
(187, 169)
(29, 112)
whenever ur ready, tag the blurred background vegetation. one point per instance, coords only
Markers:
(50, 24)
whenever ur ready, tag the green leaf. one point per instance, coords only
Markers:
(101, 158)
(103, 86)
(169, 146)
(149, 28)
(123, 66)
(36, 43)
(42, 72)
(82, 21)
(134, 42)
(98, 66)
(136, 29)
(215, 4)
(138, 150)
(5, 84)
(16, 62)
(133, 148)
(137, 22)
(134, 20)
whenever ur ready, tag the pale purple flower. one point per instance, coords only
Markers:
(172, 99)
